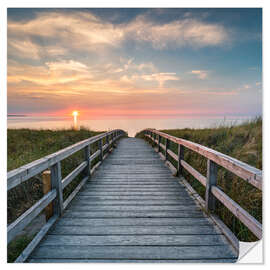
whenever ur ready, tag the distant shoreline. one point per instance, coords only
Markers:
(17, 115)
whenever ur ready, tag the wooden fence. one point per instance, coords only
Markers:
(55, 195)
(248, 173)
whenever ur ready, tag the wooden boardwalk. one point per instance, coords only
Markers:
(133, 210)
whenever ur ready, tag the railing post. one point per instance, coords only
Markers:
(100, 148)
(159, 139)
(212, 170)
(180, 157)
(56, 179)
(88, 160)
(47, 187)
(166, 148)
(107, 142)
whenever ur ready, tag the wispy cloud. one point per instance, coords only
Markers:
(85, 31)
(201, 74)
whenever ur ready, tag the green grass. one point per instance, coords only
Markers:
(243, 142)
(26, 145)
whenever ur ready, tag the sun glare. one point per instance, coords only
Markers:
(75, 113)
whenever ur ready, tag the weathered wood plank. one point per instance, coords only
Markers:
(89, 201)
(189, 221)
(56, 178)
(134, 193)
(135, 230)
(194, 172)
(124, 214)
(73, 174)
(134, 189)
(90, 207)
(133, 252)
(238, 211)
(74, 192)
(134, 240)
(132, 197)
(34, 243)
(21, 222)
(131, 261)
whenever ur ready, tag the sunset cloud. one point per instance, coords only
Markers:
(85, 31)
(128, 61)
(161, 78)
(201, 74)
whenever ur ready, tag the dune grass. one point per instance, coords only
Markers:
(243, 142)
(26, 145)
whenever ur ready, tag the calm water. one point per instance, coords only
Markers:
(132, 126)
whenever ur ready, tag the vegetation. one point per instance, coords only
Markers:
(27, 145)
(243, 142)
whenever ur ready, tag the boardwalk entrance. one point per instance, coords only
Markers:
(133, 210)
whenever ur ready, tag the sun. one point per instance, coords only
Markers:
(75, 113)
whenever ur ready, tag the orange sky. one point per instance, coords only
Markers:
(135, 63)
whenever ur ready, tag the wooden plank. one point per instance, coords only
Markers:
(172, 154)
(84, 200)
(56, 178)
(132, 185)
(47, 187)
(133, 189)
(227, 232)
(250, 174)
(132, 207)
(100, 149)
(171, 167)
(95, 167)
(125, 214)
(133, 240)
(223, 228)
(74, 192)
(194, 172)
(133, 197)
(21, 222)
(74, 173)
(140, 193)
(189, 221)
(132, 261)
(179, 159)
(34, 243)
(133, 252)
(87, 153)
(135, 230)
(238, 211)
(211, 180)
(95, 155)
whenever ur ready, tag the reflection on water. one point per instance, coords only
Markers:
(132, 126)
(75, 122)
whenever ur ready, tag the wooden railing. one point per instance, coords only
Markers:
(55, 195)
(248, 173)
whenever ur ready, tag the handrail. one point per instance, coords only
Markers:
(23, 173)
(241, 169)
(250, 174)
(57, 184)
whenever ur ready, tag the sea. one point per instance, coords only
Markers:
(132, 126)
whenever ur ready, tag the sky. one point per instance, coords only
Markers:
(135, 63)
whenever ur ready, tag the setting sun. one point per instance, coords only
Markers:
(75, 113)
